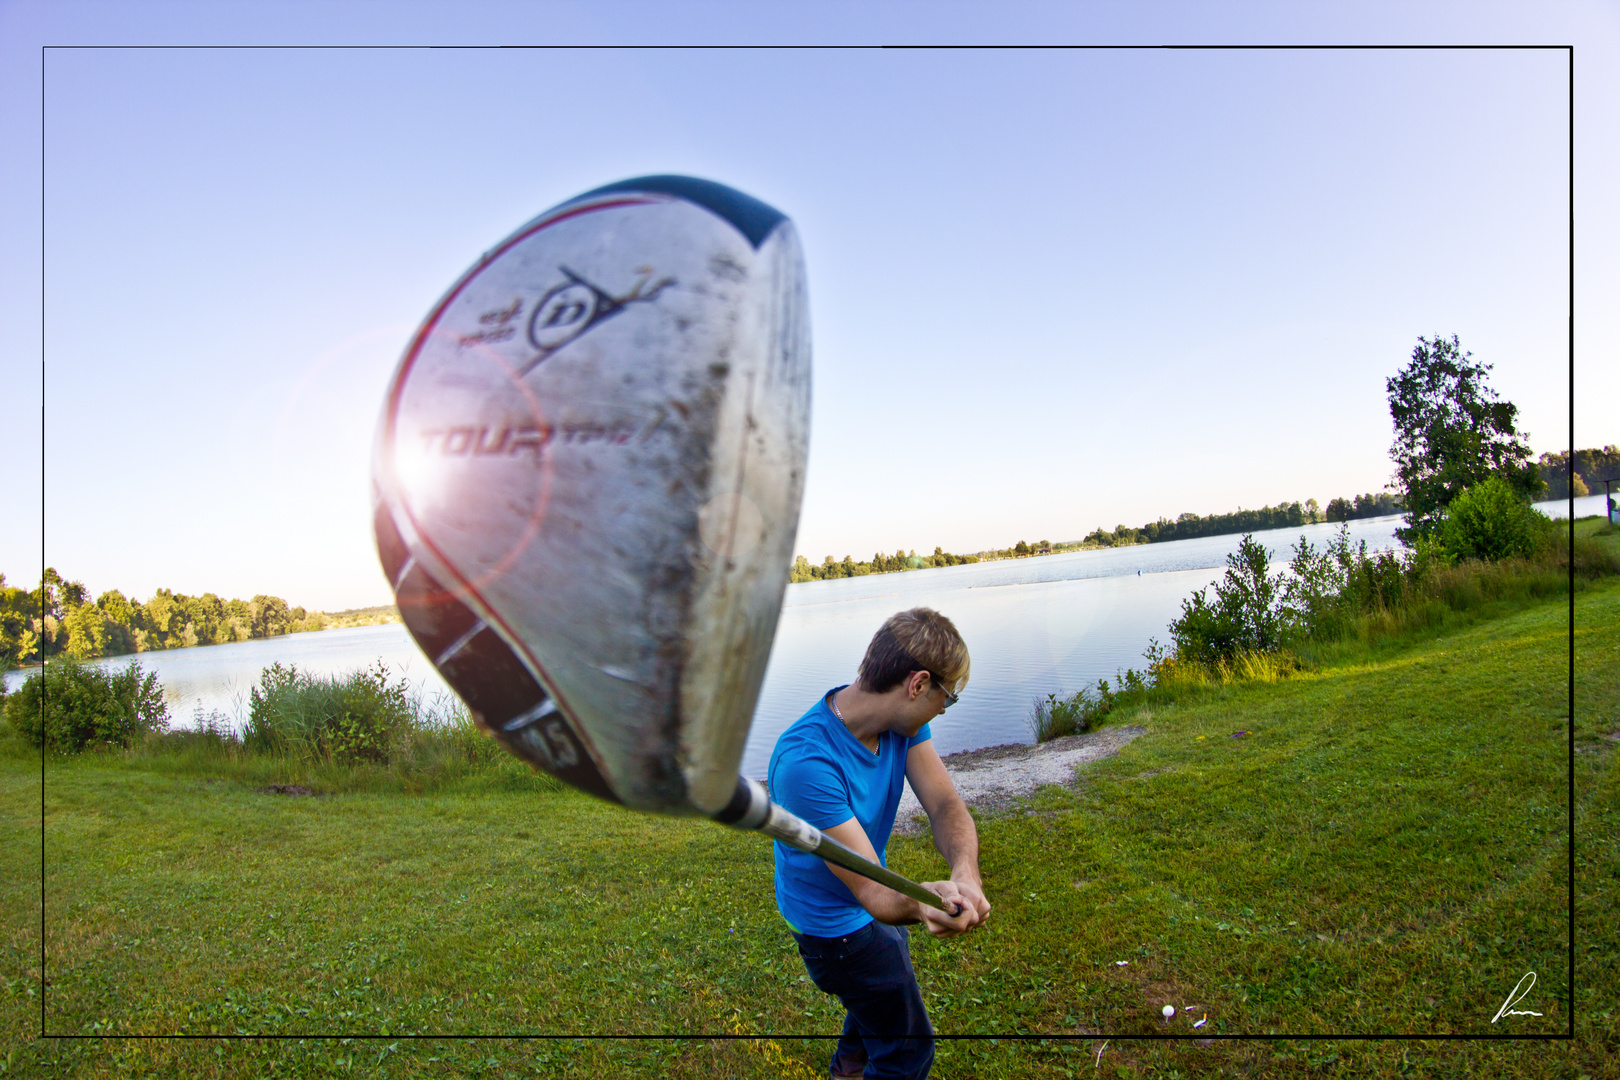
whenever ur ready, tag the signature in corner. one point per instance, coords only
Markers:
(1513, 999)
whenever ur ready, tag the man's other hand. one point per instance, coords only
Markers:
(968, 900)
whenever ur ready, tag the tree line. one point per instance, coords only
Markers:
(59, 619)
(1185, 527)
(1190, 526)
(1023, 548)
(1284, 515)
(804, 570)
(1592, 467)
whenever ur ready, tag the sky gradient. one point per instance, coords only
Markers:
(1050, 290)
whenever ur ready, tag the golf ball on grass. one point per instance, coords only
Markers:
(1169, 1011)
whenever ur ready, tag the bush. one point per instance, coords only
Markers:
(1244, 617)
(68, 706)
(1490, 521)
(1262, 629)
(1053, 717)
(361, 718)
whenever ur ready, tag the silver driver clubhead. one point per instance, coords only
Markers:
(587, 477)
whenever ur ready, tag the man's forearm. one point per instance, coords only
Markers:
(957, 839)
(887, 906)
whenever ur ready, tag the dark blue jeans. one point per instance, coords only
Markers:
(886, 1029)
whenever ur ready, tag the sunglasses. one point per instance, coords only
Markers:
(950, 698)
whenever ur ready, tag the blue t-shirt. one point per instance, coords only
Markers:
(822, 773)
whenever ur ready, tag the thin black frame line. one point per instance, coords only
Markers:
(1270, 47)
(1017, 1036)
(1571, 584)
(588, 46)
(1366, 47)
(43, 691)
(851, 46)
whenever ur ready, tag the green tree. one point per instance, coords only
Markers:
(74, 595)
(57, 596)
(1313, 511)
(1021, 548)
(206, 614)
(48, 597)
(161, 620)
(1586, 472)
(86, 632)
(270, 616)
(18, 640)
(118, 620)
(116, 607)
(239, 619)
(1451, 431)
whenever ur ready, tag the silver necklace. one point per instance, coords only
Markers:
(833, 702)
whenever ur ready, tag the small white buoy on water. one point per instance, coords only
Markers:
(1169, 1011)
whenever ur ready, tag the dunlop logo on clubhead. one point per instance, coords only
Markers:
(589, 467)
(564, 313)
(572, 308)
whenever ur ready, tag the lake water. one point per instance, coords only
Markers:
(1052, 624)
(1585, 506)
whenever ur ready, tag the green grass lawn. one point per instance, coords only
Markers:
(1385, 851)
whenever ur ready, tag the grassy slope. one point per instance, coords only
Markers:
(1385, 851)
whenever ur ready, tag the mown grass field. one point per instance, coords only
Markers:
(1385, 851)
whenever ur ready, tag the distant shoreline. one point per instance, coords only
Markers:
(381, 619)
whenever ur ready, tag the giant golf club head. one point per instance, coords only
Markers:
(587, 477)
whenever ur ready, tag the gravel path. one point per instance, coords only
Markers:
(998, 776)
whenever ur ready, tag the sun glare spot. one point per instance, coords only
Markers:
(421, 472)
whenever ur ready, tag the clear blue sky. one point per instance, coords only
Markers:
(1050, 290)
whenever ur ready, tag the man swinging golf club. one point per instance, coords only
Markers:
(587, 478)
(841, 767)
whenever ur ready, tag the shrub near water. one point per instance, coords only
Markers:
(361, 731)
(1260, 627)
(1054, 717)
(68, 707)
(363, 717)
(1491, 521)
(1243, 617)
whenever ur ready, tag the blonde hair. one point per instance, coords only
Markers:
(917, 640)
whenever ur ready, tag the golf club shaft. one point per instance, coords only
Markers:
(752, 808)
(833, 851)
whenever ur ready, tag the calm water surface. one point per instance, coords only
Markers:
(1585, 506)
(1035, 626)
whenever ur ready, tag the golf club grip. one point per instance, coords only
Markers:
(752, 808)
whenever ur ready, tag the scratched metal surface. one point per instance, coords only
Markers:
(597, 445)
